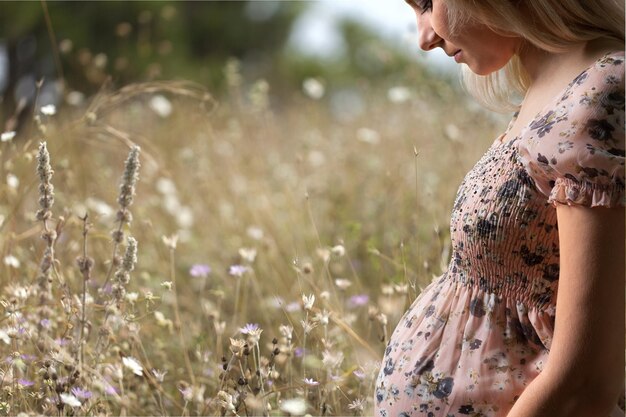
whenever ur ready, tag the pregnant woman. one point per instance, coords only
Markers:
(528, 319)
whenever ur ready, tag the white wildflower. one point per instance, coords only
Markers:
(286, 331)
(308, 301)
(322, 317)
(12, 261)
(131, 297)
(48, 110)
(369, 136)
(313, 88)
(248, 254)
(69, 399)
(310, 382)
(133, 365)
(167, 285)
(7, 136)
(294, 406)
(338, 250)
(342, 283)
(255, 233)
(13, 181)
(399, 94)
(332, 360)
(161, 106)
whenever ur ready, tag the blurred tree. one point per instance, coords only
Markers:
(133, 41)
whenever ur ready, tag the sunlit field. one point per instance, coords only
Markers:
(179, 253)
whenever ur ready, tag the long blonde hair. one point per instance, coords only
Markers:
(550, 25)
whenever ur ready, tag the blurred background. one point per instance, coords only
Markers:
(78, 46)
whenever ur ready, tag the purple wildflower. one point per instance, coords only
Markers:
(81, 393)
(248, 328)
(298, 352)
(200, 270)
(237, 270)
(110, 389)
(25, 382)
(293, 306)
(358, 300)
(359, 373)
(45, 323)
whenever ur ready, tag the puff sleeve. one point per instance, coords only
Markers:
(574, 151)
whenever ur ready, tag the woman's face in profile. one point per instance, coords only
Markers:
(472, 43)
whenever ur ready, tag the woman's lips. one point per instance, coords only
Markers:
(458, 55)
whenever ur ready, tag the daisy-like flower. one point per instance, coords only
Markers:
(25, 382)
(200, 270)
(133, 365)
(308, 301)
(167, 285)
(78, 392)
(237, 270)
(226, 400)
(310, 382)
(359, 373)
(249, 327)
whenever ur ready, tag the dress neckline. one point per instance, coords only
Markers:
(498, 141)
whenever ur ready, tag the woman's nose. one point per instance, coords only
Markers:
(428, 38)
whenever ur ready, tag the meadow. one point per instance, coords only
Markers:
(168, 252)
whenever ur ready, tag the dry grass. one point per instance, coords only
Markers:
(242, 211)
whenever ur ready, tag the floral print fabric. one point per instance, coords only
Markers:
(479, 334)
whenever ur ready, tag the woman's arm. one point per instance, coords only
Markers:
(584, 374)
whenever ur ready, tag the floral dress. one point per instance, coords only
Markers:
(479, 334)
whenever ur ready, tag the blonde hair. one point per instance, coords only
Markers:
(550, 25)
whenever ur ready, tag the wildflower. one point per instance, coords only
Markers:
(369, 136)
(7, 136)
(294, 406)
(48, 110)
(226, 400)
(358, 300)
(167, 285)
(359, 373)
(255, 233)
(237, 346)
(133, 365)
(46, 189)
(129, 178)
(161, 106)
(313, 88)
(13, 181)
(325, 295)
(237, 270)
(293, 306)
(342, 283)
(248, 328)
(331, 360)
(286, 331)
(159, 375)
(338, 250)
(308, 301)
(398, 94)
(324, 254)
(170, 242)
(248, 254)
(200, 270)
(81, 393)
(11, 261)
(307, 326)
(131, 297)
(387, 289)
(310, 382)
(358, 404)
(322, 317)
(25, 382)
(401, 288)
(70, 400)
